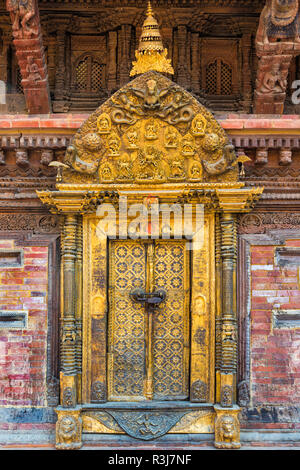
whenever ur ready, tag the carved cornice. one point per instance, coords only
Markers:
(76, 201)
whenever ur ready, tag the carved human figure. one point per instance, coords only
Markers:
(151, 130)
(22, 158)
(177, 167)
(132, 137)
(104, 124)
(198, 126)
(272, 81)
(124, 167)
(171, 138)
(114, 145)
(22, 13)
(32, 70)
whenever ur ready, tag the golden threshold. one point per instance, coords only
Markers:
(156, 323)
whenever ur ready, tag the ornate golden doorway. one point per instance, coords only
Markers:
(148, 328)
(174, 370)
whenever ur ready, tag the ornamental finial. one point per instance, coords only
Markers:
(151, 54)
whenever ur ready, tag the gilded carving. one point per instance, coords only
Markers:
(104, 124)
(199, 124)
(68, 430)
(68, 398)
(227, 429)
(199, 391)
(98, 392)
(150, 131)
(226, 395)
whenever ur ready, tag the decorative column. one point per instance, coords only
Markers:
(218, 355)
(227, 423)
(195, 75)
(112, 61)
(124, 54)
(60, 76)
(26, 30)
(182, 75)
(246, 71)
(68, 427)
(78, 307)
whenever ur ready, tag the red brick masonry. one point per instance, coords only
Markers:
(23, 352)
(275, 352)
(74, 121)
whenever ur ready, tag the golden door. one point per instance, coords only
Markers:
(148, 328)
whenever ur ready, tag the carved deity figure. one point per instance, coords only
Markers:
(104, 124)
(151, 130)
(23, 13)
(171, 138)
(177, 167)
(148, 160)
(132, 137)
(32, 70)
(279, 20)
(199, 126)
(272, 81)
(151, 96)
(114, 145)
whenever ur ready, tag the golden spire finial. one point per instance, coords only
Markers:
(151, 54)
(149, 9)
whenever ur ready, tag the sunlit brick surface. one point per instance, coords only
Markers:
(23, 352)
(275, 353)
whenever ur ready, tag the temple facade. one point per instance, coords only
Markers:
(149, 224)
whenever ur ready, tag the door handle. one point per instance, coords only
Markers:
(150, 298)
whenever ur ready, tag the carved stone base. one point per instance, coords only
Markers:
(227, 428)
(68, 429)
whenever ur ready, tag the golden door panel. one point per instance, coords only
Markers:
(171, 322)
(148, 347)
(126, 343)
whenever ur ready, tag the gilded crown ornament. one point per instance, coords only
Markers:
(151, 55)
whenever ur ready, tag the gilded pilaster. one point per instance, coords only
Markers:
(68, 426)
(227, 423)
(218, 259)
(229, 322)
(78, 307)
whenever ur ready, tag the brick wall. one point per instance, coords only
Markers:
(23, 351)
(275, 352)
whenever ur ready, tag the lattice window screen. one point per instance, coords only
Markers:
(211, 78)
(98, 76)
(218, 78)
(82, 74)
(19, 88)
(226, 79)
(89, 75)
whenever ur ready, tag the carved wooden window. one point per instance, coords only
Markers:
(18, 83)
(89, 75)
(218, 78)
